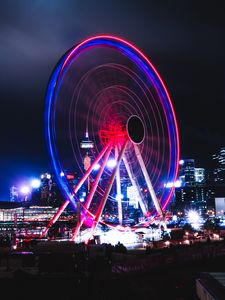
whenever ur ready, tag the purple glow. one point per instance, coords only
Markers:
(25, 190)
(35, 183)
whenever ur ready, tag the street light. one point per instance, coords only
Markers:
(25, 190)
(35, 183)
(193, 216)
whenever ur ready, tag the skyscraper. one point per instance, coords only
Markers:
(200, 175)
(86, 144)
(219, 166)
(45, 188)
(87, 150)
(14, 194)
(187, 172)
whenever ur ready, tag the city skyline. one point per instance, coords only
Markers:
(201, 175)
(186, 46)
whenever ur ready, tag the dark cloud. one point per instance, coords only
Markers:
(184, 40)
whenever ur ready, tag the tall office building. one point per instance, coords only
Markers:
(45, 188)
(199, 197)
(200, 175)
(49, 192)
(219, 166)
(86, 144)
(220, 206)
(187, 172)
(87, 150)
(193, 193)
(14, 194)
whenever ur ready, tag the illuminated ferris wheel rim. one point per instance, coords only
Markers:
(135, 55)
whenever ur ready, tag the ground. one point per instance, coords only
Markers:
(177, 283)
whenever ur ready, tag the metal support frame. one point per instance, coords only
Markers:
(148, 181)
(91, 194)
(55, 218)
(76, 188)
(143, 206)
(106, 194)
(118, 190)
(120, 155)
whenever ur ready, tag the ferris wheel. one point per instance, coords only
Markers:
(107, 89)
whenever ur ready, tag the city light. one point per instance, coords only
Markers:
(62, 174)
(25, 190)
(187, 242)
(175, 184)
(174, 218)
(167, 243)
(118, 197)
(193, 217)
(96, 167)
(35, 183)
(111, 163)
(129, 238)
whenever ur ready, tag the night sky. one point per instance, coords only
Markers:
(183, 39)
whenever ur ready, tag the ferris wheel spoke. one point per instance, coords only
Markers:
(76, 189)
(54, 218)
(148, 180)
(118, 190)
(107, 191)
(143, 205)
(91, 194)
(90, 169)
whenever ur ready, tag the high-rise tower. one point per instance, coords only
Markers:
(87, 147)
(219, 166)
(187, 172)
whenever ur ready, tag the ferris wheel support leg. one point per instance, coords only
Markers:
(76, 188)
(133, 182)
(90, 169)
(118, 189)
(55, 218)
(148, 181)
(107, 191)
(91, 194)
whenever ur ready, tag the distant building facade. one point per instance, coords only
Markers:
(14, 194)
(194, 192)
(187, 172)
(219, 166)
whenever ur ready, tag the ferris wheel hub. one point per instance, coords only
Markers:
(135, 129)
(114, 133)
(119, 132)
